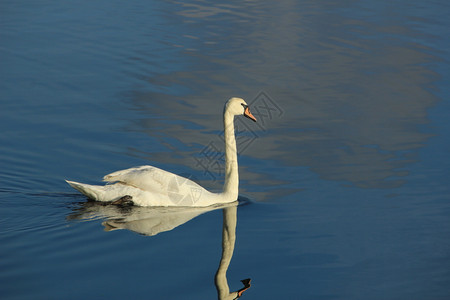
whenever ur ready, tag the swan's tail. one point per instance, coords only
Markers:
(92, 191)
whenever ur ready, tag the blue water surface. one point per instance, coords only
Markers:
(344, 180)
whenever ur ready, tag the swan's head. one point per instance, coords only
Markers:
(237, 106)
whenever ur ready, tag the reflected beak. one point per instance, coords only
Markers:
(248, 114)
(247, 284)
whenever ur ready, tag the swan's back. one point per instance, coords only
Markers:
(147, 178)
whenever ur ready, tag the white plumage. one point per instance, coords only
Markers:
(151, 186)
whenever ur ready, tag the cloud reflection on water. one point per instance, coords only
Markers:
(354, 91)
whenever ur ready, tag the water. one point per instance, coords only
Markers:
(346, 170)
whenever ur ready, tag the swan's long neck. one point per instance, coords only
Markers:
(231, 186)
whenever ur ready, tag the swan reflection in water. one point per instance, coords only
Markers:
(150, 221)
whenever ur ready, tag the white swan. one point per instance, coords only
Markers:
(151, 186)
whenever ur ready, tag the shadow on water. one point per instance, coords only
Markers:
(150, 221)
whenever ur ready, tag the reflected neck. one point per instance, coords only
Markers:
(231, 186)
(228, 242)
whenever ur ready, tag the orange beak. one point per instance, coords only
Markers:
(248, 114)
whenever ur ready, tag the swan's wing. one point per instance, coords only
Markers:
(152, 179)
(147, 178)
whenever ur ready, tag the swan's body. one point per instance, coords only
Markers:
(151, 186)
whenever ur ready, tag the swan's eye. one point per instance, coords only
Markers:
(244, 106)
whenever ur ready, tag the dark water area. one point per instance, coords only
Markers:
(344, 179)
